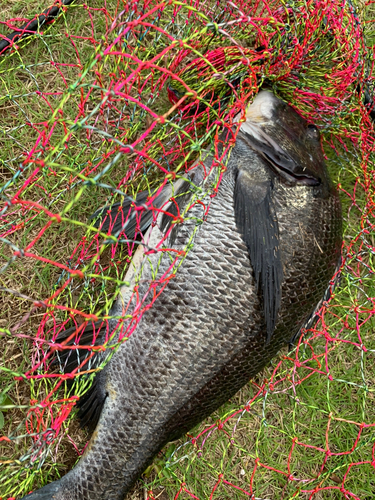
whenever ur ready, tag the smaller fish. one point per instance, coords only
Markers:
(33, 25)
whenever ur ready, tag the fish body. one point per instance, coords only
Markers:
(257, 269)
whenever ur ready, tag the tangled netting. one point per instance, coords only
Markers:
(116, 97)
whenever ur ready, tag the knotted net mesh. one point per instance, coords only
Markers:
(108, 99)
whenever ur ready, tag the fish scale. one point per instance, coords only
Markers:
(206, 334)
(216, 333)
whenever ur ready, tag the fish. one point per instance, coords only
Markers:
(32, 26)
(256, 272)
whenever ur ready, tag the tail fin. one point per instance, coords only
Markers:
(33, 25)
(48, 492)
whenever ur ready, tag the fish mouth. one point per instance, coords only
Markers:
(299, 175)
(281, 162)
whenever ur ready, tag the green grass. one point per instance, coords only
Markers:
(289, 411)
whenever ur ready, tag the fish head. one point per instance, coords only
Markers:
(289, 144)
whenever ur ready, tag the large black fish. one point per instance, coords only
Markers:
(259, 266)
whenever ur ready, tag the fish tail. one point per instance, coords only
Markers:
(52, 491)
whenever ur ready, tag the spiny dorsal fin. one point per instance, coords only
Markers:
(122, 216)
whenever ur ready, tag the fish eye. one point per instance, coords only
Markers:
(313, 131)
(313, 128)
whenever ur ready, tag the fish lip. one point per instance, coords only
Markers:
(301, 178)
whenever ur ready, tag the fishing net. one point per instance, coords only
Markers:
(102, 100)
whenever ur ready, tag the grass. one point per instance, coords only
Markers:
(286, 426)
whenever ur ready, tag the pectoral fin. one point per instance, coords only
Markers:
(256, 220)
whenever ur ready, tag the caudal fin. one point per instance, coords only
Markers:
(48, 492)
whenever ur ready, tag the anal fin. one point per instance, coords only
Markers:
(94, 334)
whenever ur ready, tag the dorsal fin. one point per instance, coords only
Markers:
(122, 216)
